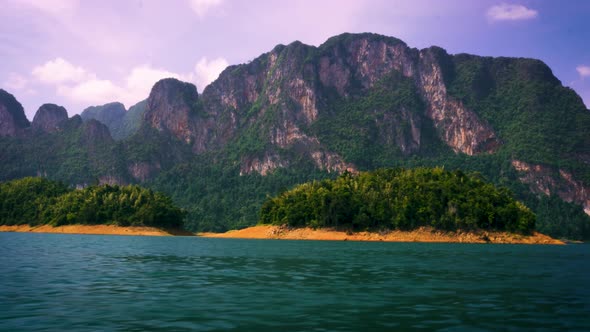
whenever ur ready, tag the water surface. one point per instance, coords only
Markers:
(56, 282)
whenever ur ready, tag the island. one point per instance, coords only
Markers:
(421, 204)
(35, 204)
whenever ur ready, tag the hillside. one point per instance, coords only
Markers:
(122, 123)
(299, 113)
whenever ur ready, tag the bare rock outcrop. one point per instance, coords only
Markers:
(49, 117)
(549, 181)
(12, 116)
(458, 126)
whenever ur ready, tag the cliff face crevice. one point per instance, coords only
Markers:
(459, 127)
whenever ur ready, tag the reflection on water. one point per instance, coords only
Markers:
(53, 282)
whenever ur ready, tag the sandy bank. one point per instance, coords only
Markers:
(423, 234)
(95, 229)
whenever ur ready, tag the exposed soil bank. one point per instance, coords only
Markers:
(423, 234)
(96, 229)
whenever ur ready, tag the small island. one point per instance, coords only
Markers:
(40, 205)
(422, 204)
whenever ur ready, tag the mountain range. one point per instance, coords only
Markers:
(298, 113)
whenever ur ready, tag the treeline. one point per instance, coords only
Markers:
(400, 199)
(37, 201)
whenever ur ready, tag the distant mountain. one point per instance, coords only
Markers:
(110, 114)
(49, 117)
(356, 102)
(120, 122)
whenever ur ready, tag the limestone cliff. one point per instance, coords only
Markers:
(49, 117)
(549, 181)
(12, 116)
(173, 106)
(283, 93)
(458, 126)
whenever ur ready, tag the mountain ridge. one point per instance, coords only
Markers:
(356, 102)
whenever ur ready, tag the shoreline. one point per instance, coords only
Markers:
(96, 230)
(269, 232)
(422, 234)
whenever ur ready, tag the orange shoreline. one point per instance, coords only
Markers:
(423, 234)
(96, 230)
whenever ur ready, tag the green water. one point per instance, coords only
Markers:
(58, 282)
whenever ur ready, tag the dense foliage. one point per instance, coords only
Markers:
(400, 199)
(24, 201)
(40, 201)
(538, 119)
(218, 199)
(76, 154)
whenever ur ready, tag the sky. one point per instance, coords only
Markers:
(80, 53)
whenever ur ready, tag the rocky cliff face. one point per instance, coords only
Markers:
(282, 93)
(549, 181)
(49, 117)
(459, 127)
(272, 109)
(12, 116)
(173, 106)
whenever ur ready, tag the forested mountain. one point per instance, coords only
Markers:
(122, 123)
(299, 113)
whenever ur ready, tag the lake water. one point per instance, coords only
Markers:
(59, 282)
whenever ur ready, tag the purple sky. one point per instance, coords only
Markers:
(78, 53)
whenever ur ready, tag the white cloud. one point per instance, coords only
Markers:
(144, 76)
(141, 79)
(584, 71)
(507, 12)
(208, 71)
(60, 71)
(83, 87)
(135, 86)
(93, 91)
(15, 82)
(201, 7)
